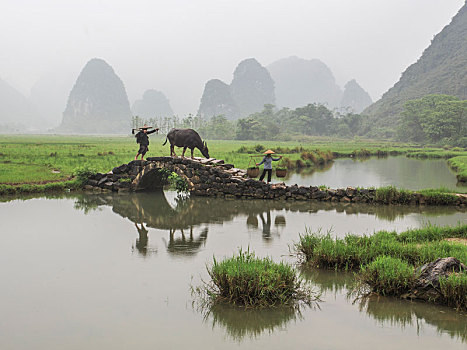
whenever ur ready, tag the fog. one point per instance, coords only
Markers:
(175, 46)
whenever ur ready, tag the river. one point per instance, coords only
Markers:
(115, 271)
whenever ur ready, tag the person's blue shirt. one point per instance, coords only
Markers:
(268, 162)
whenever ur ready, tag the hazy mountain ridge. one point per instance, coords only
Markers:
(251, 88)
(153, 104)
(442, 69)
(98, 102)
(217, 100)
(300, 82)
(16, 112)
(289, 82)
(49, 94)
(355, 97)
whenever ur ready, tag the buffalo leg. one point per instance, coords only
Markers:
(183, 153)
(192, 149)
(172, 151)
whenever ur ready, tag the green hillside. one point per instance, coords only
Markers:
(442, 69)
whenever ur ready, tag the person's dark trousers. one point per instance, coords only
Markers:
(269, 171)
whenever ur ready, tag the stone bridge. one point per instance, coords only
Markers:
(214, 178)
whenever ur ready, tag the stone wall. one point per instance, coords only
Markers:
(214, 178)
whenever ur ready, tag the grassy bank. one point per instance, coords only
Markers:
(248, 281)
(387, 261)
(434, 196)
(459, 165)
(36, 160)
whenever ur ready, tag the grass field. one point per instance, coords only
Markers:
(38, 159)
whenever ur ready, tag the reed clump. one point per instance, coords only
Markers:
(393, 195)
(454, 289)
(416, 247)
(388, 276)
(388, 262)
(248, 281)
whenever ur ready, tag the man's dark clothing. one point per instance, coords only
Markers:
(143, 140)
(143, 149)
(142, 137)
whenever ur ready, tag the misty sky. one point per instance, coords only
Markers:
(177, 45)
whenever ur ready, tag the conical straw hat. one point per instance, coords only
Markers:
(269, 152)
(145, 127)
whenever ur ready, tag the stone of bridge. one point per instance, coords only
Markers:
(213, 178)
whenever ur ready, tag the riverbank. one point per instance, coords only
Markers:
(215, 178)
(44, 163)
(459, 164)
(404, 265)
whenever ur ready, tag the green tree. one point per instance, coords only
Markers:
(434, 118)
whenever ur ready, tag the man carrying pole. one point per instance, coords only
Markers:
(143, 139)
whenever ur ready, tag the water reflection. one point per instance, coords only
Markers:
(142, 241)
(240, 323)
(404, 313)
(403, 172)
(186, 246)
(187, 220)
(155, 210)
(391, 311)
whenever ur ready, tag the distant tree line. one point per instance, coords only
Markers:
(269, 124)
(439, 119)
(435, 119)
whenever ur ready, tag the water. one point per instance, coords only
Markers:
(402, 172)
(114, 272)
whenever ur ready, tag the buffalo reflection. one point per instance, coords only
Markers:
(186, 246)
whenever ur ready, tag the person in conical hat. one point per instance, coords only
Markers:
(267, 161)
(143, 139)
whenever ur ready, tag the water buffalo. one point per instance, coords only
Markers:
(186, 138)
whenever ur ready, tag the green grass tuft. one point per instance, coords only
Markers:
(388, 276)
(454, 289)
(248, 281)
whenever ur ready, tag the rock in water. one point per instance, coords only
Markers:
(217, 100)
(153, 104)
(98, 102)
(427, 286)
(252, 87)
(355, 97)
(300, 82)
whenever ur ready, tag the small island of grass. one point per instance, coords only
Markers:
(427, 264)
(248, 281)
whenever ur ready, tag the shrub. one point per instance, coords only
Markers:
(390, 194)
(83, 173)
(246, 280)
(178, 183)
(454, 289)
(388, 276)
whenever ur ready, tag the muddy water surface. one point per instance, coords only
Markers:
(114, 272)
(402, 172)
